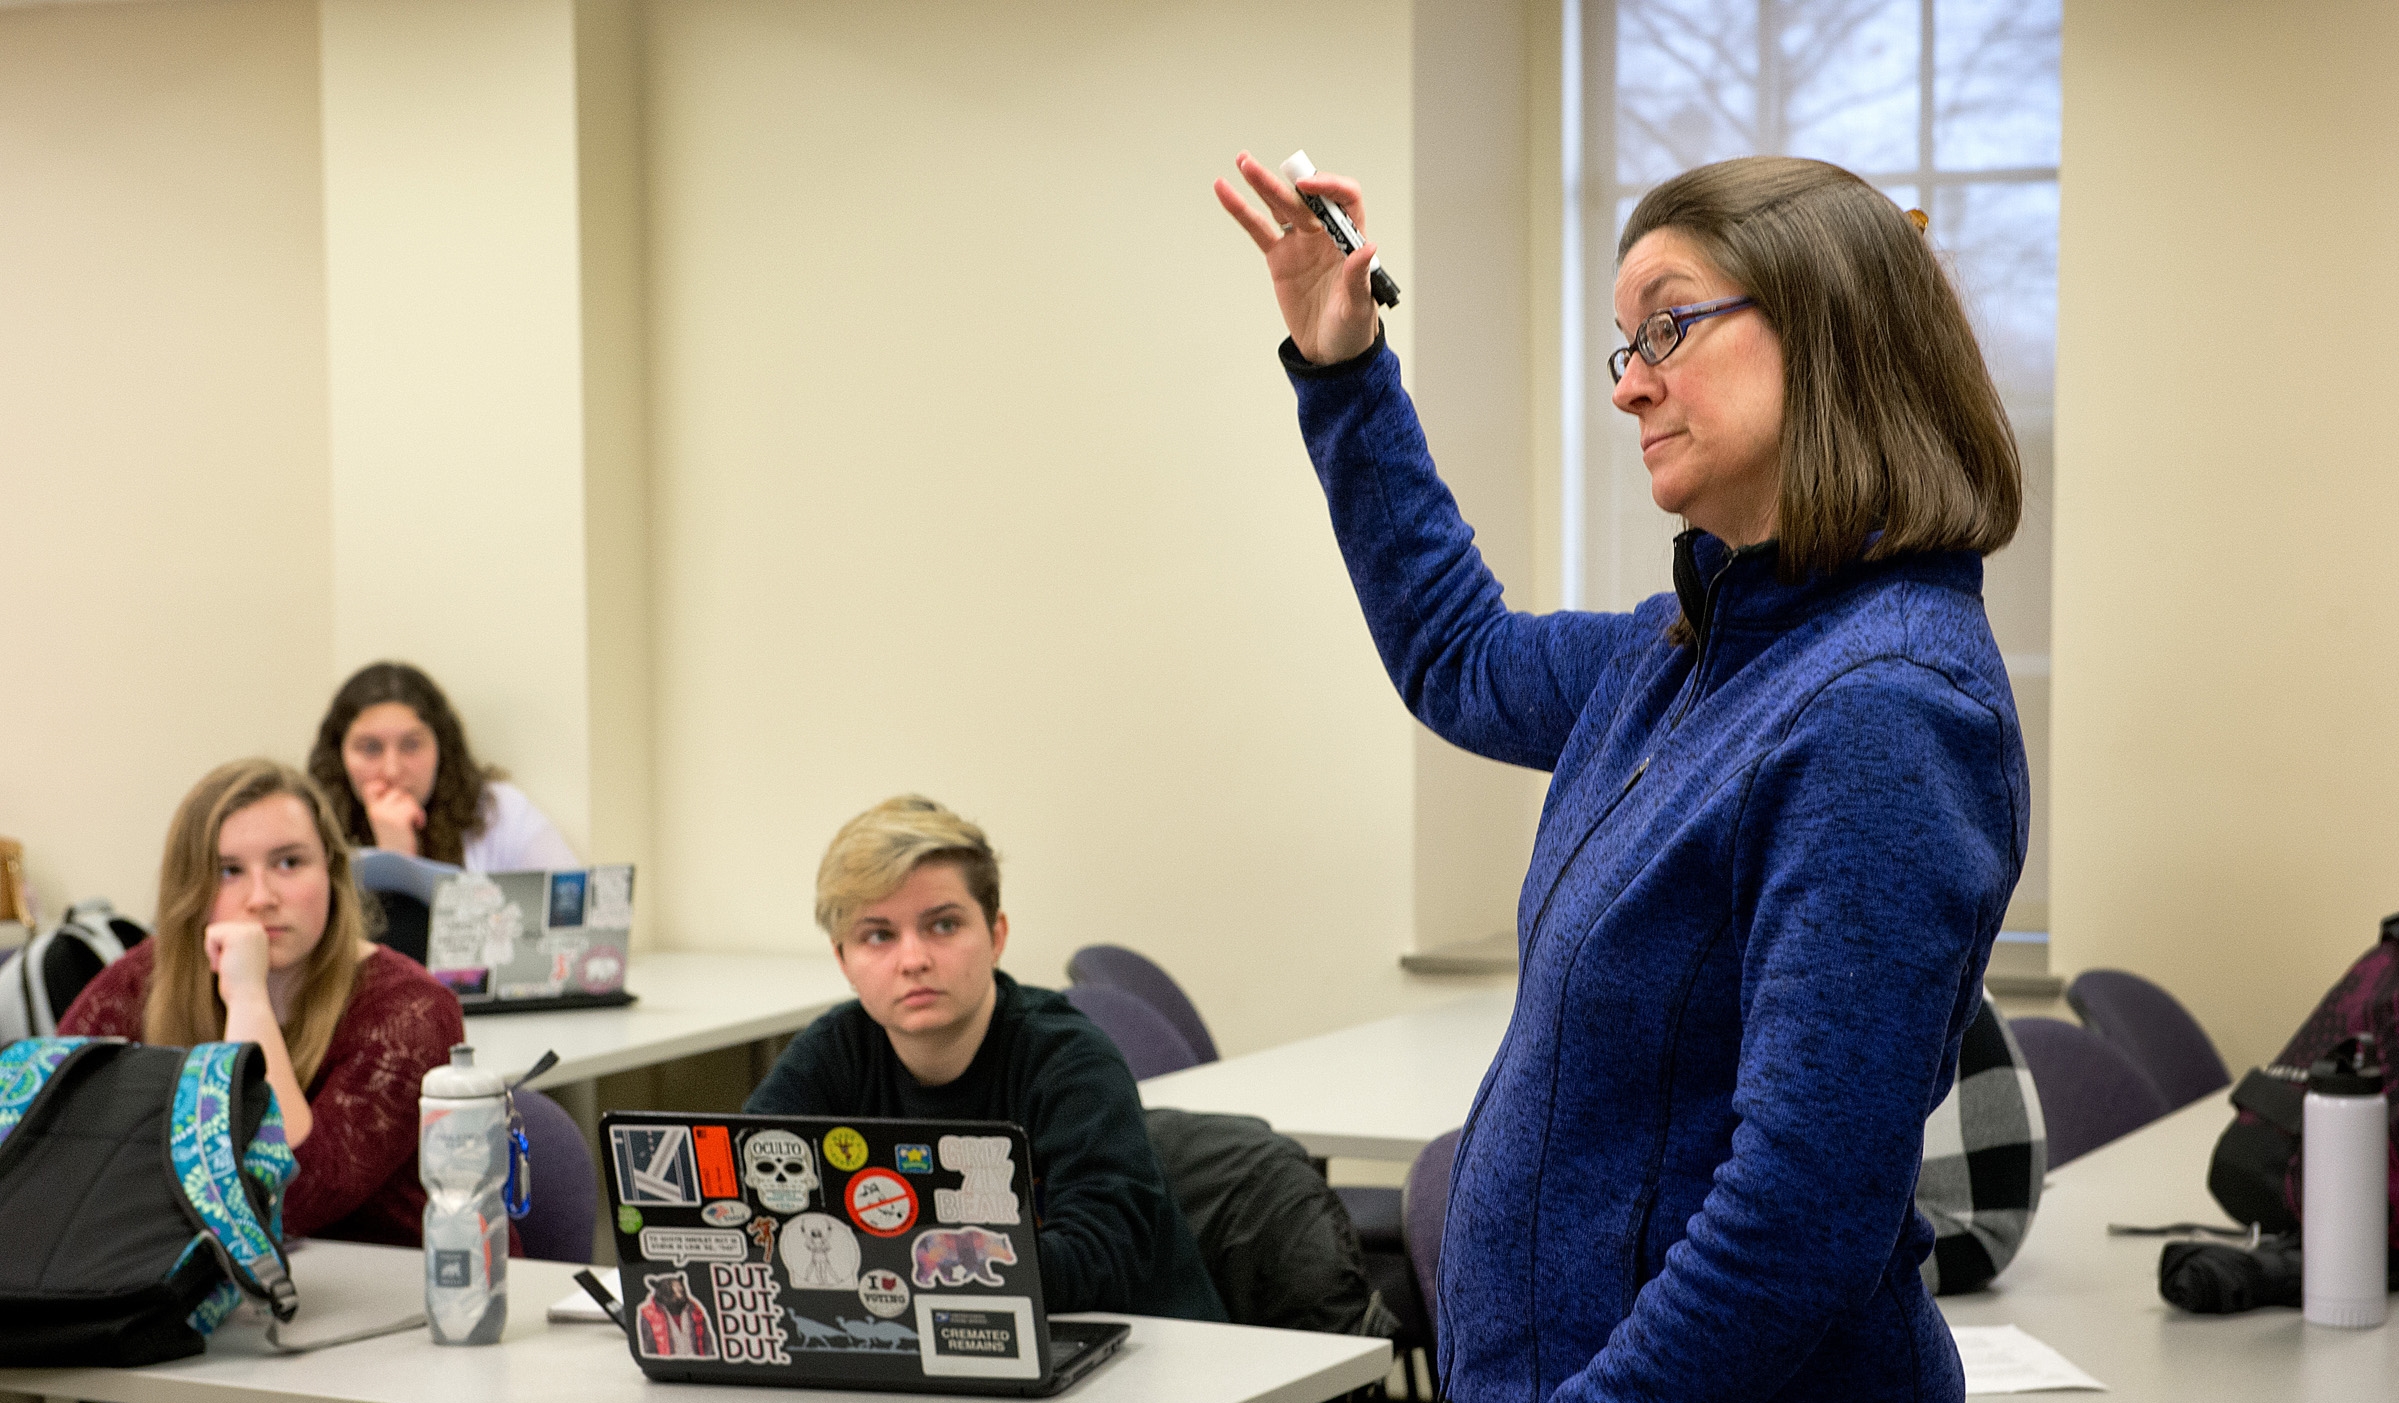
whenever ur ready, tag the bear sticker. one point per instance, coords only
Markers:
(956, 1256)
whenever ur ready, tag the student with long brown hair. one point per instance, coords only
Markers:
(262, 938)
(393, 756)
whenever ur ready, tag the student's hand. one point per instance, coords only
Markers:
(396, 817)
(237, 952)
(1327, 304)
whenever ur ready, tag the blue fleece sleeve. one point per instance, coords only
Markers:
(1878, 846)
(1504, 685)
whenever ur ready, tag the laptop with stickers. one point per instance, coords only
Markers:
(510, 941)
(853, 1253)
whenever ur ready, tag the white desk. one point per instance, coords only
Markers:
(1165, 1361)
(2094, 1298)
(1381, 1090)
(687, 1003)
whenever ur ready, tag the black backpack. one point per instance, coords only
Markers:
(140, 1198)
(38, 982)
(2255, 1173)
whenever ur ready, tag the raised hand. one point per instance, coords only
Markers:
(395, 815)
(1326, 301)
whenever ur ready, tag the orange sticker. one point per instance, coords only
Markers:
(715, 1147)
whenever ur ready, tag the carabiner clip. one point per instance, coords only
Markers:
(517, 1193)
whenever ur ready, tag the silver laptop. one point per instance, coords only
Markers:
(510, 941)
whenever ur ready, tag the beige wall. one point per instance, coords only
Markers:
(2226, 809)
(455, 358)
(1481, 108)
(166, 590)
(751, 410)
(975, 474)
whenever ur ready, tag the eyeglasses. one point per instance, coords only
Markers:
(1662, 330)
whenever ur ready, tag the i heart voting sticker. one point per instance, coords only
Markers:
(881, 1202)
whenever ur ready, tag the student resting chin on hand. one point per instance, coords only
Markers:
(393, 756)
(261, 939)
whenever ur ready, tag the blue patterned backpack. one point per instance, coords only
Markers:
(141, 1193)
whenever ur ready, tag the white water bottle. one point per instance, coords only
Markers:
(2344, 1190)
(462, 1157)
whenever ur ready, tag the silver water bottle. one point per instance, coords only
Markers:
(462, 1157)
(2345, 1201)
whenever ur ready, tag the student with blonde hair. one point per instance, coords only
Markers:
(910, 894)
(262, 938)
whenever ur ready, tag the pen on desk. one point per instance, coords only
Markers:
(1336, 223)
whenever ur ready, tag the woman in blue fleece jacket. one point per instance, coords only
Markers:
(1787, 809)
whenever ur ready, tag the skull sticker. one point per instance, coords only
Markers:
(781, 1168)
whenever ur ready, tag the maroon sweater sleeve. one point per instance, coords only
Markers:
(358, 1167)
(111, 1005)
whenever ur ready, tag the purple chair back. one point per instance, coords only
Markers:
(566, 1190)
(2152, 1028)
(1425, 1207)
(2090, 1091)
(1136, 974)
(1151, 1046)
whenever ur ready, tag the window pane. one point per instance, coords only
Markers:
(1848, 82)
(1686, 85)
(1995, 84)
(2001, 245)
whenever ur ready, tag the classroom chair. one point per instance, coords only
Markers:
(407, 926)
(1426, 1209)
(2090, 1091)
(1151, 1045)
(566, 1187)
(1136, 974)
(1373, 1211)
(2153, 1028)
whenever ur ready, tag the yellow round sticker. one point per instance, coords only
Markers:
(845, 1148)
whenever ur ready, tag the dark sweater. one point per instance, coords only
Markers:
(1111, 1235)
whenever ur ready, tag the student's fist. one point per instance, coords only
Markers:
(396, 817)
(237, 952)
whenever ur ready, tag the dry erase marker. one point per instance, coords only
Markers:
(1336, 223)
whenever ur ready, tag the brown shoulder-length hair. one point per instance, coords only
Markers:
(455, 812)
(1890, 421)
(183, 1007)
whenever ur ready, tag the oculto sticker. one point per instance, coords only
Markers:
(781, 1169)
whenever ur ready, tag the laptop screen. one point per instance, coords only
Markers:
(800, 1250)
(522, 937)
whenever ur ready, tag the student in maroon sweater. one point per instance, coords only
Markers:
(261, 938)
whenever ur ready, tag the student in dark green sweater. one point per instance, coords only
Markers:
(910, 894)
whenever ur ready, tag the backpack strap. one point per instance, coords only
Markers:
(200, 1143)
(26, 1068)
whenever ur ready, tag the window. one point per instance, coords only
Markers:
(1947, 105)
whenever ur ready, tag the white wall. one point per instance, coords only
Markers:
(2226, 809)
(166, 591)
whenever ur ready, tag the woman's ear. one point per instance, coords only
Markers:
(999, 935)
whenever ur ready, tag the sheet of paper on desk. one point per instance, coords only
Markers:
(578, 1304)
(2003, 1359)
